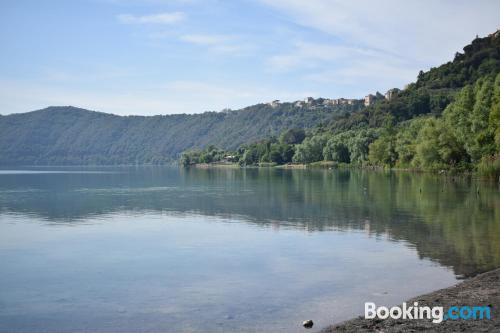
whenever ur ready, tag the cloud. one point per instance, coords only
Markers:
(359, 69)
(361, 46)
(307, 54)
(149, 2)
(161, 18)
(326, 55)
(227, 44)
(206, 90)
(200, 39)
(425, 32)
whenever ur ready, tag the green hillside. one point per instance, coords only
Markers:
(448, 119)
(69, 135)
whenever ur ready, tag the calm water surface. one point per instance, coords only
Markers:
(230, 250)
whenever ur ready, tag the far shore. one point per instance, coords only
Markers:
(333, 165)
(481, 290)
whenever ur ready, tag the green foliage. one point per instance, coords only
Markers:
(211, 154)
(336, 149)
(489, 167)
(190, 157)
(359, 145)
(266, 151)
(449, 118)
(406, 144)
(381, 151)
(281, 153)
(310, 150)
(346, 147)
(434, 89)
(458, 139)
(480, 58)
(437, 146)
(469, 117)
(293, 136)
(68, 135)
(494, 118)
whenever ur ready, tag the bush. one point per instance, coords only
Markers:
(489, 167)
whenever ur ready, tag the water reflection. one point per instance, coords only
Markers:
(230, 250)
(446, 219)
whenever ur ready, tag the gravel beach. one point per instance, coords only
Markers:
(481, 290)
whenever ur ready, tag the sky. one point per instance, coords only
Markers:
(146, 57)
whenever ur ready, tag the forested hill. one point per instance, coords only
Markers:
(69, 135)
(449, 119)
(434, 90)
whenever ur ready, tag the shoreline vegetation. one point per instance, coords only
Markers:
(329, 165)
(481, 290)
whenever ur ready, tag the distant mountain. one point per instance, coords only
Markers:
(72, 136)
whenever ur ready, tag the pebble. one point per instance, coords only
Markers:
(307, 323)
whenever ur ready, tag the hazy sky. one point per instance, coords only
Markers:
(175, 56)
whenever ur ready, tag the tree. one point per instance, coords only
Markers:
(310, 150)
(336, 150)
(358, 143)
(250, 156)
(190, 157)
(381, 151)
(293, 136)
(275, 155)
(406, 141)
(457, 116)
(438, 147)
(494, 118)
(483, 143)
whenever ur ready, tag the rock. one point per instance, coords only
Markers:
(307, 323)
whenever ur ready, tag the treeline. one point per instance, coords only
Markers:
(465, 137)
(269, 151)
(467, 133)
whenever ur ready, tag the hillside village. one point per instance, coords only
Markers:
(323, 102)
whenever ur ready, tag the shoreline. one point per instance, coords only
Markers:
(328, 165)
(481, 290)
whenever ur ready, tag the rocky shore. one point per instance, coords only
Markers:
(481, 290)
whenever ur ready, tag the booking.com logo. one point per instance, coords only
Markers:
(436, 313)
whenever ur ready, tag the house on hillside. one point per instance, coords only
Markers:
(274, 103)
(391, 93)
(328, 101)
(370, 98)
(309, 100)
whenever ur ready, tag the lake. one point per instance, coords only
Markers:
(162, 249)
